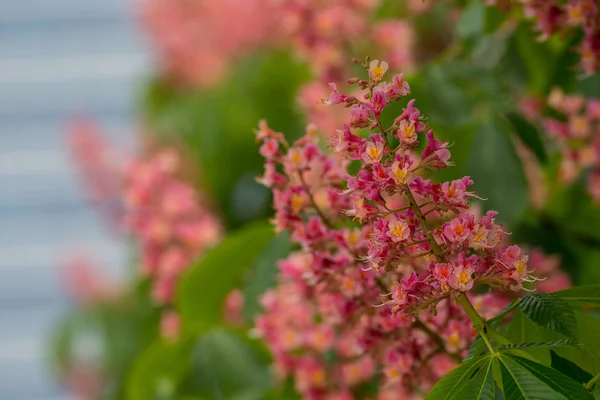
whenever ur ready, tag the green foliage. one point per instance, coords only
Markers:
(263, 274)
(520, 378)
(205, 286)
(107, 336)
(497, 171)
(158, 370)
(217, 126)
(529, 135)
(228, 365)
(582, 295)
(451, 385)
(533, 345)
(569, 368)
(525, 379)
(549, 311)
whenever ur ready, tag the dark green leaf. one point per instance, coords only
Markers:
(521, 330)
(450, 385)
(569, 368)
(537, 57)
(529, 135)
(477, 347)
(533, 345)
(472, 20)
(550, 312)
(550, 382)
(205, 286)
(228, 366)
(481, 387)
(264, 274)
(589, 294)
(157, 371)
(497, 171)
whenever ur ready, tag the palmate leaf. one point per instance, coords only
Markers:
(524, 379)
(227, 365)
(451, 386)
(477, 347)
(549, 311)
(263, 275)
(534, 345)
(481, 387)
(588, 295)
(205, 286)
(569, 368)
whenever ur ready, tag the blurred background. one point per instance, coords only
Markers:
(128, 165)
(58, 59)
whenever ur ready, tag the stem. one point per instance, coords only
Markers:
(326, 220)
(502, 313)
(476, 320)
(592, 382)
(435, 247)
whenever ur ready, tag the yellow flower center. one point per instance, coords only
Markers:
(398, 229)
(297, 203)
(377, 73)
(400, 174)
(454, 339)
(373, 151)
(318, 377)
(408, 130)
(463, 277)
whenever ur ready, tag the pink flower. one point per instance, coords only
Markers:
(377, 70)
(461, 278)
(398, 230)
(457, 230)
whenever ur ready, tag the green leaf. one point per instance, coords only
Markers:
(205, 286)
(158, 370)
(550, 312)
(596, 392)
(537, 57)
(472, 20)
(497, 171)
(525, 379)
(521, 330)
(569, 368)
(227, 365)
(264, 274)
(589, 294)
(588, 357)
(481, 387)
(477, 347)
(450, 385)
(533, 345)
(529, 135)
(216, 125)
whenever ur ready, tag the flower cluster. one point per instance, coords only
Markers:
(552, 16)
(379, 249)
(85, 283)
(146, 198)
(577, 134)
(166, 217)
(98, 164)
(197, 41)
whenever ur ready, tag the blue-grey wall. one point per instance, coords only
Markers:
(57, 58)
